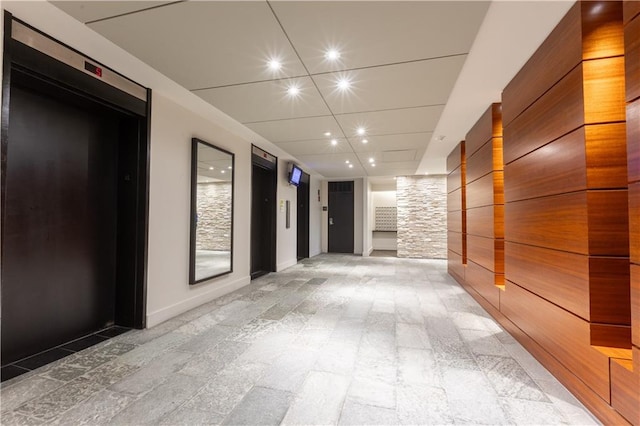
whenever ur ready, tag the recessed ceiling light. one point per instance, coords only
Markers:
(327, 133)
(344, 84)
(221, 171)
(229, 167)
(347, 161)
(293, 90)
(365, 141)
(373, 164)
(211, 168)
(334, 142)
(371, 160)
(332, 55)
(274, 65)
(361, 131)
(351, 166)
(394, 178)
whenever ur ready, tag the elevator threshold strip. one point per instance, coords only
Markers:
(43, 358)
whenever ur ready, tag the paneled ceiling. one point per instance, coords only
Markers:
(400, 61)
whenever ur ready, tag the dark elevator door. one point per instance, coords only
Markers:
(263, 231)
(303, 217)
(341, 217)
(59, 240)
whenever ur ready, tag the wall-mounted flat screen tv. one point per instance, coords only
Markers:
(295, 175)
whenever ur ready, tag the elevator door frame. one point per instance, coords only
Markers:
(52, 71)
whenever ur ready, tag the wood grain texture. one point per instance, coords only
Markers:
(602, 29)
(487, 252)
(485, 191)
(556, 56)
(565, 336)
(455, 221)
(633, 141)
(609, 294)
(604, 93)
(486, 221)
(625, 391)
(558, 112)
(454, 242)
(584, 393)
(588, 222)
(634, 222)
(612, 336)
(630, 10)
(485, 160)
(455, 266)
(488, 126)
(635, 304)
(484, 282)
(590, 157)
(454, 159)
(454, 180)
(632, 67)
(454, 200)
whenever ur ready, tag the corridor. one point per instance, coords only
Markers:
(336, 339)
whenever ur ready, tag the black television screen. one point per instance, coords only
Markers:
(295, 175)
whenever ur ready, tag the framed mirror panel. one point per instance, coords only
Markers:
(212, 182)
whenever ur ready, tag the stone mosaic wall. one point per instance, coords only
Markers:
(422, 216)
(214, 216)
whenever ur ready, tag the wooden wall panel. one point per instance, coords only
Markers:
(632, 44)
(603, 82)
(485, 191)
(633, 141)
(454, 242)
(487, 159)
(484, 282)
(625, 390)
(454, 221)
(488, 126)
(481, 221)
(454, 180)
(454, 200)
(454, 159)
(631, 9)
(455, 267)
(593, 222)
(635, 304)
(564, 335)
(487, 252)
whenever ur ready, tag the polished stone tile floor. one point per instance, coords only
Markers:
(336, 339)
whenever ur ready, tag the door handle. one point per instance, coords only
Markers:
(330, 221)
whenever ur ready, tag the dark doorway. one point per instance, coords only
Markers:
(341, 217)
(263, 213)
(74, 204)
(303, 216)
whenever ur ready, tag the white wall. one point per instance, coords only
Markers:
(177, 116)
(315, 216)
(367, 226)
(358, 215)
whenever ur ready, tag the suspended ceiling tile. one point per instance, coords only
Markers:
(86, 11)
(266, 100)
(204, 44)
(333, 165)
(397, 121)
(410, 84)
(389, 142)
(373, 33)
(317, 146)
(298, 129)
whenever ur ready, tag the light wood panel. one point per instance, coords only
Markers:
(486, 159)
(485, 191)
(454, 200)
(592, 222)
(564, 335)
(603, 81)
(454, 159)
(487, 252)
(454, 180)
(484, 282)
(482, 221)
(633, 140)
(454, 242)
(625, 390)
(632, 46)
(488, 126)
(454, 221)
(455, 267)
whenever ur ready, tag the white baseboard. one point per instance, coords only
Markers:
(161, 315)
(370, 251)
(285, 265)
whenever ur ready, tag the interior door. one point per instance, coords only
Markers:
(263, 205)
(341, 217)
(303, 217)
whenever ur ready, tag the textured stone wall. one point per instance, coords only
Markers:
(213, 231)
(422, 216)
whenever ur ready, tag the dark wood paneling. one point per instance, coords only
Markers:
(633, 141)
(454, 200)
(559, 167)
(611, 336)
(603, 81)
(488, 125)
(487, 252)
(557, 55)
(635, 304)
(486, 221)
(587, 222)
(454, 180)
(602, 29)
(564, 335)
(485, 191)
(487, 159)
(454, 159)
(625, 390)
(454, 242)
(558, 112)
(454, 221)
(632, 66)
(634, 222)
(610, 301)
(455, 267)
(631, 9)
(484, 282)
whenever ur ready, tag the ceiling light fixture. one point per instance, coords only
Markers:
(361, 131)
(332, 55)
(274, 65)
(373, 164)
(221, 171)
(347, 161)
(344, 84)
(351, 166)
(371, 160)
(365, 141)
(293, 90)
(211, 168)
(327, 133)
(334, 142)
(229, 167)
